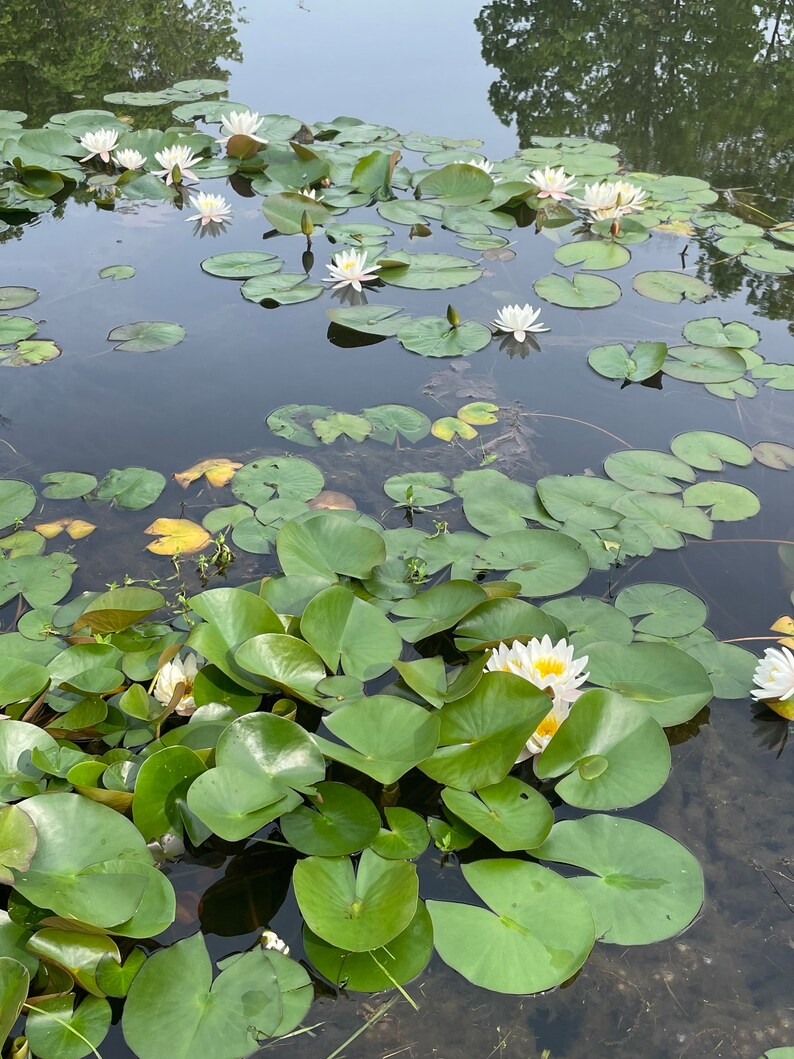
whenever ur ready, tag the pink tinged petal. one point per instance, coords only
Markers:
(545, 194)
(356, 285)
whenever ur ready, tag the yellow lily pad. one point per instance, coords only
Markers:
(784, 624)
(675, 228)
(448, 427)
(176, 536)
(218, 472)
(478, 413)
(76, 528)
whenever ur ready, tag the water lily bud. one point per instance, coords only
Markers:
(20, 1049)
(285, 708)
(307, 225)
(614, 229)
(307, 260)
(453, 316)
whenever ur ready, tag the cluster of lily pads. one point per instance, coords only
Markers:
(346, 704)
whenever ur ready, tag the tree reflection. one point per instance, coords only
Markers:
(58, 55)
(688, 86)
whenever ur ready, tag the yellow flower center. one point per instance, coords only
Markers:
(547, 727)
(348, 265)
(549, 666)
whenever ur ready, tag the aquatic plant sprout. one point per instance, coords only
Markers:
(176, 162)
(241, 123)
(552, 183)
(350, 267)
(519, 320)
(99, 144)
(211, 209)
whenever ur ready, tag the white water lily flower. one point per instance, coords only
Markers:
(246, 123)
(271, 940)
(177, 157)
(129, 158)
(101, 143)
(311, 193)
(211, 208)
(552, 183)
(170, 676)
(612, 199)
(553, 669)
(774, 675)
(518, 320)
(350, 266)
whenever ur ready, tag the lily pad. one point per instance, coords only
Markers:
(285, 288)
(668, 610)
(648, 470)
(581, 291)
(543, 562)
(146, 336)
(347, 631)
(511, 814)
(17, 297)
(535, 933)
(706, 450)
(67, 485)
(427, 271)
(117, 272)
(725, 501)
(338, 820)
(17, 500)
(432, 336)
(675, 287)
(615, 362)
(711, 331)
(241, 264)
(644, 886)
(595, 254)
(131, 488)
(15, 329)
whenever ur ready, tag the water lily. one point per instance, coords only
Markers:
(350, 266)
(311, 193)
(552, 183)
(271, 940)
(174, 673)
(518, 320)
(129, 158)
(774, 679)
(245, 123)
(478, 163)
(101, 143)
(211, 208)
(553, 669)
(612, 199)
(179, 157)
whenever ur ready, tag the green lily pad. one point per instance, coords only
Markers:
(458, 184)
(711, 331)
(17, 297)
(511, 814)
(58, 1039)
(543, 562)
(146, 336)
(730, 668)
(704, 364)
(668, 610)
(17, 500)
(406, 836)
(589, 620)
(131, 488)
(40, 579)
(338, 821)
(427, 271)
(380, 320)
(117, 272)
(671, 685)
(432, 336)
(581, 291)
(15, 329)
(580, 498)
(356, 911)
(67, 485)
(609, 752)
(593, 254)
(241, 264)
(536, 932)
(293, 422)
(346, 631)
(648, 470)
(675, 287)
(418, 489)
(725, 501)
(284, 288)
(644, 885)
(663, 518)
(14, 983)
(706, 450)
(615, 362)
(326, 545)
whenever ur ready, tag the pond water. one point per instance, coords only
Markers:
(702, 89)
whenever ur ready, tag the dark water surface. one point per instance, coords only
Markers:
(687, 87)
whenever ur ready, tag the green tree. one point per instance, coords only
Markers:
(58, 55)
(689, 86)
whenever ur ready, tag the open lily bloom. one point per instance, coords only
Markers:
(245, 123)
(774, 680)
(174, 673)
(478, 163)
(211, 208)
(129, 158)
(518, 320)
(552, 183)
(178, 157)
(350, 266)
(553, 669)
(311, 193)
(99, 143)
(612, 199)
(271, 940)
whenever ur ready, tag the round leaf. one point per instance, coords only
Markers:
(341, 820)
(615, 362)
(581, 291)
(668, 610)
(726, 502)
(511, 814)
(671, 287)
(706, 450)
(146, 336)
(543, 562)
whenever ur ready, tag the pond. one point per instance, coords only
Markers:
(391, 474)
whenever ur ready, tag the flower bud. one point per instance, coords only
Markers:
(453, 316)
(307, 225)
